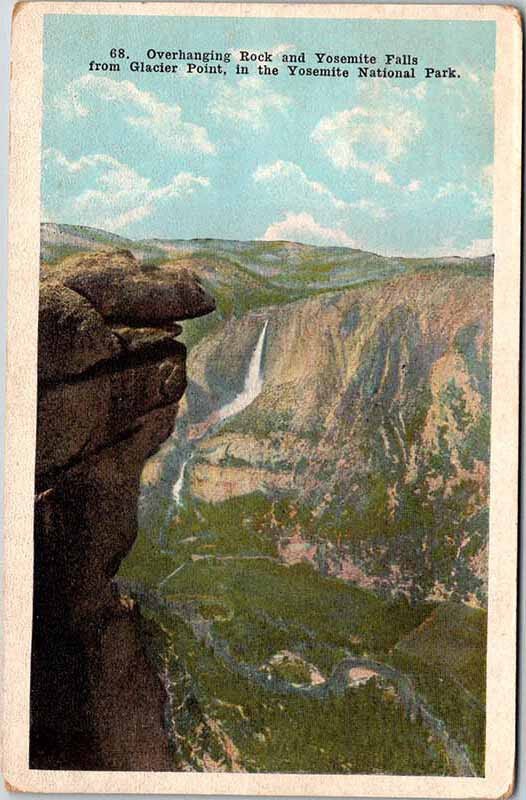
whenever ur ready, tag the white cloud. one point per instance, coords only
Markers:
(420, 90)
(164, 122)
(119, 195)
(479, 190)
(282, 173)
(414, 185)
(473, 94)
(447, 249)
(477, 248)
(369, 136)
(249, 101)
(482, 195)
(279, 49)
(370, 207)
(51, 154)
(387, 92)
(290, 181)
(381, 175)
(450, 188)
(303, 227)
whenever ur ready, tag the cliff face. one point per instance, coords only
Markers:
(111, 373)
(372, 421)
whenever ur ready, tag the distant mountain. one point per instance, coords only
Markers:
(270, 266)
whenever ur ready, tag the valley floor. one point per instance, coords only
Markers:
(276, 667)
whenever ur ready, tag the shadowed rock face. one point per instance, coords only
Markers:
(111, 373)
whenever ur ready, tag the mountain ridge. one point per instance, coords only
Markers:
(65, 228)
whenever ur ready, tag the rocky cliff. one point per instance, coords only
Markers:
(111, 373)
(373, 421)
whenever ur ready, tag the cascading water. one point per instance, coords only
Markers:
(178, 485)
(251, 389)
(253, 381)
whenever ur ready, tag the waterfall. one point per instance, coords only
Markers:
(251, 389)
(178, 485)
(253, 381)
(175, 501)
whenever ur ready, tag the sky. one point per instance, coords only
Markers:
(398, 167)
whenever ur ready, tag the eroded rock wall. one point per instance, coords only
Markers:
(372, 425)
(111, 373)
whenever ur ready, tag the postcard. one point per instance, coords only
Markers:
(262, 391)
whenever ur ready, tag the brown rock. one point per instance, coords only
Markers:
(96, 702)
(115, 285)
(79, 417)
(72, 337)
(139, 340)
(107, 400)
(126, 681)
(89, 517)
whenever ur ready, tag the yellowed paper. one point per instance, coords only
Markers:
(273, 552)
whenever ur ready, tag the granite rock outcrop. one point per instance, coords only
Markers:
(111, 373)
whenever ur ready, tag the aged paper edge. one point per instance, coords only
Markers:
(24, 235)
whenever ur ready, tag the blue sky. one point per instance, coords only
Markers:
(393, 166)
